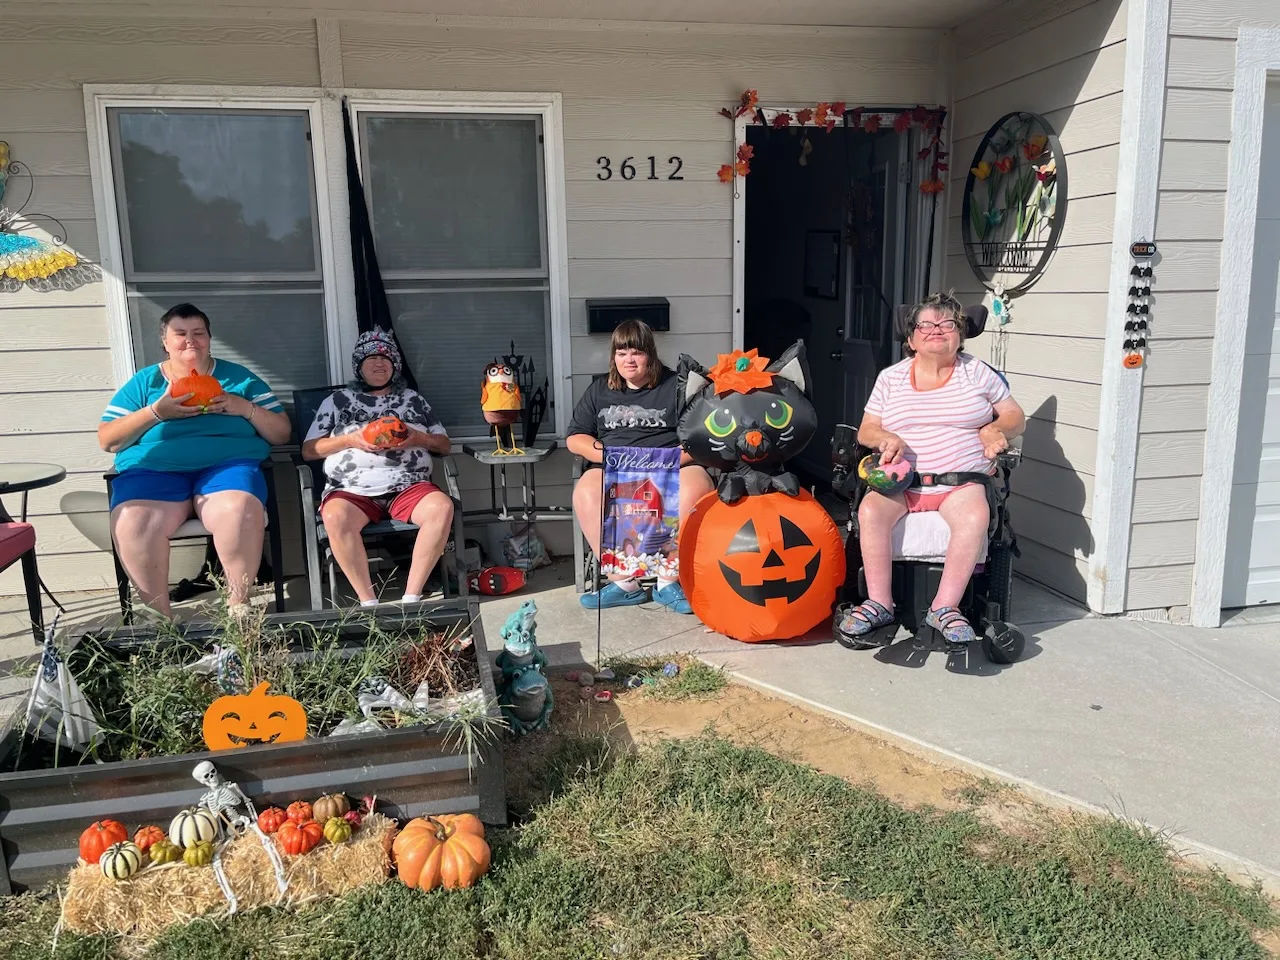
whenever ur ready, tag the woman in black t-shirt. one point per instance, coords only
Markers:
(635, 405)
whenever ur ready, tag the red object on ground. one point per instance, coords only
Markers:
(495, 581)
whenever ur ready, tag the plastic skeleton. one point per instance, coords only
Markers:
(235, 814)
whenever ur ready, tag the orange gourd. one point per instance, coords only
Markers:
(98, 836)
(272, 819)
(386, 432)
(445, 851)
(203, 388)
(763, 568)
(299, 811)
(146, 836)
(297, 838)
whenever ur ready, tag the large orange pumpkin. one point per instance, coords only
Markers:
(764, 568)
(386, 432)
(253, 719)
(203, 388)
(445, 851)
(98, 836)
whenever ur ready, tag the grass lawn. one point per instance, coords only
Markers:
(702, 848)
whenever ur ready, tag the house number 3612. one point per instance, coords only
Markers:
(627, 169)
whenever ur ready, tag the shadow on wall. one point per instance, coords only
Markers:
(1048, 509)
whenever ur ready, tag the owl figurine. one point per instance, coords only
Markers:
(500, 400)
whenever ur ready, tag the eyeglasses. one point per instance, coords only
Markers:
(946, 326)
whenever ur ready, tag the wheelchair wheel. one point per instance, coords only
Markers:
(1003, 643)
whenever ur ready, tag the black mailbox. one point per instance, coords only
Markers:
(603, 316)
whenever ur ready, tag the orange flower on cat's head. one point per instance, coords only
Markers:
(740, 372)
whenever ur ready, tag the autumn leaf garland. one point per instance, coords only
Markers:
(828, 116)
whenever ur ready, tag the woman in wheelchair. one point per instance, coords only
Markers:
(944, 412)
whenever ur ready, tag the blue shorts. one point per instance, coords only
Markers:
(141, 484)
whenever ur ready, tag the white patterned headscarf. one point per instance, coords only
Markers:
(371, 343)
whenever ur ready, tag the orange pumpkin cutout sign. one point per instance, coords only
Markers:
(253, 719)
(763, 568)
(203, 388)
(386, 432)
(1133, 360)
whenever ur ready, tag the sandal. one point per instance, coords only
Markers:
(950, 622)
(864, 618)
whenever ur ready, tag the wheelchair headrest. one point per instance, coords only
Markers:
(975, 321)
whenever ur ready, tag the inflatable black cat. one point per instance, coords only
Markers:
(747, 416)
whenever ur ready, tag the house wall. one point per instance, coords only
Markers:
(1066, 62)
(627, 91)
(1189, 232)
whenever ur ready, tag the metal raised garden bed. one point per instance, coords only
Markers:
(413, 771)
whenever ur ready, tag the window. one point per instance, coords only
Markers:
(218, 207)
(460, 226)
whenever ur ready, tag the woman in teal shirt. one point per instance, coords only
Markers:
(175, 461)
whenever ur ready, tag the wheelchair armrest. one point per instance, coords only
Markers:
(451, 478)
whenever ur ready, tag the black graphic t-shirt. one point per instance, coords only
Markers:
(629, 418)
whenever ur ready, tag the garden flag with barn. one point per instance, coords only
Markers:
(641, 512)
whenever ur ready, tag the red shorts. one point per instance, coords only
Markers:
(920, 502)
(398, 507)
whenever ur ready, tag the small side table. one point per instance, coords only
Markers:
(497, 465)
(23, 478)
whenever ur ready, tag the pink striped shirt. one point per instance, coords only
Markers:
(940, 427)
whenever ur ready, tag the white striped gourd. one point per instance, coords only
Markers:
(120, 861)
(192, 826)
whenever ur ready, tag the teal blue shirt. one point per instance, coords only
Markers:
(192, 443)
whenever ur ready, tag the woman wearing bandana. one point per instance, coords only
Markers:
(367, 484)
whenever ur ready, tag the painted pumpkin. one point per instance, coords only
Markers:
(148, 836)
(120, 861)
(272, 819)
(385, 432)
(253, 719)
(200, 855)
(446, 851)
(297, 838)
(334, 805)
(192, 826)
(203, 388)
(162, 851)
(98, 836)
(337, 830)
(888, 479)
(764, 568)
(299, 811)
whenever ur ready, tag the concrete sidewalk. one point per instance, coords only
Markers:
(1173, 726)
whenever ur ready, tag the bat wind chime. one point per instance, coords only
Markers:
(506, 382)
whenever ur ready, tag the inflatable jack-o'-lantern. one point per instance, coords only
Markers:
(764, 567)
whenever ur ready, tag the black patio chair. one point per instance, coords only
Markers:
(315, 541)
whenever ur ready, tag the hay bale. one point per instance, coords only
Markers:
(159, 896)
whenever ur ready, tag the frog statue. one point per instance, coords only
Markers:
(524, 693)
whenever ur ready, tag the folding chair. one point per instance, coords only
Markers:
(18, 543)
(193, 529)
(315, 540)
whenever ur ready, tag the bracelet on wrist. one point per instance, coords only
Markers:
(152, 408)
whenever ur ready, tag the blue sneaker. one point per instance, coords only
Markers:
(672, 597)
(612, 595)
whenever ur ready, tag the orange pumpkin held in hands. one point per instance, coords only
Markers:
(272, 819)
(98, 836)
(299, 811)
(146, 836)
(446, 851)
(253, 719)
(386, 432)
(203, 388)
(296, 838)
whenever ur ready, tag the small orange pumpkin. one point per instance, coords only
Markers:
(146, 836)
(296, 838)
(386, 432)
(253, 719)
(100, 835)
(1133, 360)
(445, 851)
(299, 811)
(203, 388)
(272, 819)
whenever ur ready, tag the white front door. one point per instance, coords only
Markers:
(1252, 570)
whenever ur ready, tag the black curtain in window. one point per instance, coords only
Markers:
(372, 309)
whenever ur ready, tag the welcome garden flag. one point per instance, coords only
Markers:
(641, 512)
